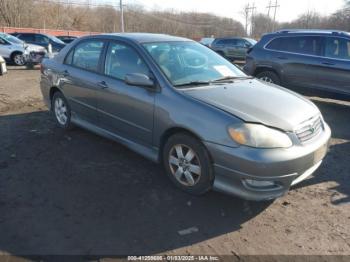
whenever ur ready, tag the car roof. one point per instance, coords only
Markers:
(311, 32)
(229, 37)
(144, 37)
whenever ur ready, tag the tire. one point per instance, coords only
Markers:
(61, 111)
(270, 77)
(191, 170)
(18, 59)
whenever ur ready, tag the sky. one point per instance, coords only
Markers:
(288, 10)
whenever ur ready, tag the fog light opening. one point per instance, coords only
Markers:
(261, 184)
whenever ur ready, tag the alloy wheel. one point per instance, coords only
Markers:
(184, 165)
(267, 79)
(61, 111)
(19, 59)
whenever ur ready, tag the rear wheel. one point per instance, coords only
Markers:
(269, 77)
(61, 110)
(187, 163)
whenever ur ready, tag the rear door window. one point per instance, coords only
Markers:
(338, 48)
(308, 45)
(87, 55)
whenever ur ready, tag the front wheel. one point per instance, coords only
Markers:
(187, 163)
(18, 59)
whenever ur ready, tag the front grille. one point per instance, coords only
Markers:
(309, 129)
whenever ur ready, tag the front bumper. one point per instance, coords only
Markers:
(34, 57)
(235, 167)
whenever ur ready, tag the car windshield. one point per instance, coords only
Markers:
(190, 63)
(252, 41)
(55, 39)
(11, 39)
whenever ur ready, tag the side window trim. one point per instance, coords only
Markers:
(322, 55)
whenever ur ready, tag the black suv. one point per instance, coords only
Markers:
(42, 40)
(309, 59)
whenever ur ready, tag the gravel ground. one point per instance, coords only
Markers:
(77, 193)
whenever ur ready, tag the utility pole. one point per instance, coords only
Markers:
(274, 16)
(252, 8)
(269, 8)
(121, 15)
(246, 15)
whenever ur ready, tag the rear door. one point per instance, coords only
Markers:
(334, 72)
(298, 58)
(242, 48)
(232, 47)
(80, 77)
(124, 109)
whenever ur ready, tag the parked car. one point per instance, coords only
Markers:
(233, 48)
(177, 102)
(207, 41)
(3, 68)
(67, 38)
(42, 40)
(308, 59)
(16, 51)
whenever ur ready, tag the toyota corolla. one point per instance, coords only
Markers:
(179, 103)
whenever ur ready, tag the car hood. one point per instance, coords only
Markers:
(256, 101)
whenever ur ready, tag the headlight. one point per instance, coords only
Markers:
(255, 135)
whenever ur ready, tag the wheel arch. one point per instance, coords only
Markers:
(16, 52)
(176, 130)
(53, 90)
(261, 69)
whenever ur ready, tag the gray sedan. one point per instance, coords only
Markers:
(179, 103)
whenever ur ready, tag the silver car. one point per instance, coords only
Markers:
(18, 52)
(179, 103)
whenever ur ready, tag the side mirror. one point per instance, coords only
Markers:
(137, 79)
(247, 45)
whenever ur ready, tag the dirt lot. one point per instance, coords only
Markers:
(77, 193)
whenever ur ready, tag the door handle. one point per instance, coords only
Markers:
(328, 63)
(102, 84)
(282, 57)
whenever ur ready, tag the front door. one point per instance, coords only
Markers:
(123, 109)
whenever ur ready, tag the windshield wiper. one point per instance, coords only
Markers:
(230, 78)
(193, 83)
